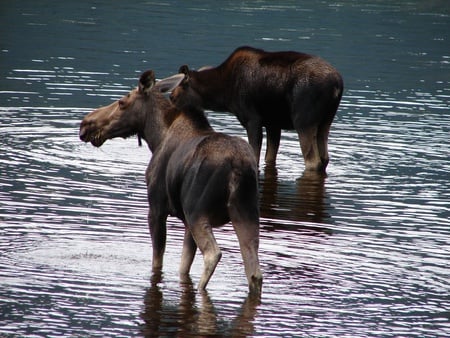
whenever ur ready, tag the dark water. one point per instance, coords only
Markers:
(364, 252)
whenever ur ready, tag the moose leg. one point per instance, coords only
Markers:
(273, 143)
(255, 135)
(204, 238)
(248, 236)
(157, 227)
(245, 220)
(188, 254)
(322, 143)
(310, 149)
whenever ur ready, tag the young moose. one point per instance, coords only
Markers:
(275, 90)
(203, 177)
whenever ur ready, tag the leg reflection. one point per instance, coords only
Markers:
(194, 314)
(304, 200)
(152, 313)
(207, 319)
(243, 324)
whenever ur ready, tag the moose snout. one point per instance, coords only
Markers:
(84, 131)
(89, 131)
(89, 126)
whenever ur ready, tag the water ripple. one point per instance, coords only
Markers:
(362, 251)
(367, 241)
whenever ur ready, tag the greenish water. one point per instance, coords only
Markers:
(362, 253)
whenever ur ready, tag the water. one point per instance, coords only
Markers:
(362, 252)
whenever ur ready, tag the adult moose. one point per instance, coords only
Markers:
(275, 90)
(203, 177)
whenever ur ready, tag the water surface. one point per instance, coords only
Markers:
(363, 251)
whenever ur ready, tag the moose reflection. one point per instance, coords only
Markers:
(304, 200)
(204, 178)
(191, 319)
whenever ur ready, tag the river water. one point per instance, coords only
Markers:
(363, 252)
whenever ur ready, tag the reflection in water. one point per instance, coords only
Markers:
(74, 246)
(189, 320)
(302, 201)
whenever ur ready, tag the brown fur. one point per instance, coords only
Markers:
(203, 177)
(275, 90)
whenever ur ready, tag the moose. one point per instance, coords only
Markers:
(202, 177)
(275, 90)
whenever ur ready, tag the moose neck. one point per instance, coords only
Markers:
(184, 125)
(163, 121)
(192, 122)
(155, 124)
(213, 89)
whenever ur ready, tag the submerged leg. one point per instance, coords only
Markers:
(273, 143)
(204, 238)
(188, 254)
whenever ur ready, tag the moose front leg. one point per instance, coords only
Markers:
(157, 227)
(255, 135)
(273, 143)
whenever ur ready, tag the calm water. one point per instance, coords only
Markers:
(364, 252)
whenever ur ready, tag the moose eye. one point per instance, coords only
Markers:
(121, 103)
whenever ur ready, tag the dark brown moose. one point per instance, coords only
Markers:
(203, 177)
(275, 90)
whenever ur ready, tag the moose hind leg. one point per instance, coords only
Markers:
(247, 231)
(204, 238)
(310, 149)
(249, 242)
(322, 143)
(158, 232)
(188, 254)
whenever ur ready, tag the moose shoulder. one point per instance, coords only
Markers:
(203, 177)
(275, 90)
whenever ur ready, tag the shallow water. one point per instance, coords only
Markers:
(362, 252)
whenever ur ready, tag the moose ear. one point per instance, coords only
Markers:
(184, 69)
(169, 83)
(146, 81)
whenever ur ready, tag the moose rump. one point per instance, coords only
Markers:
(198, 182)
(208, 184)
